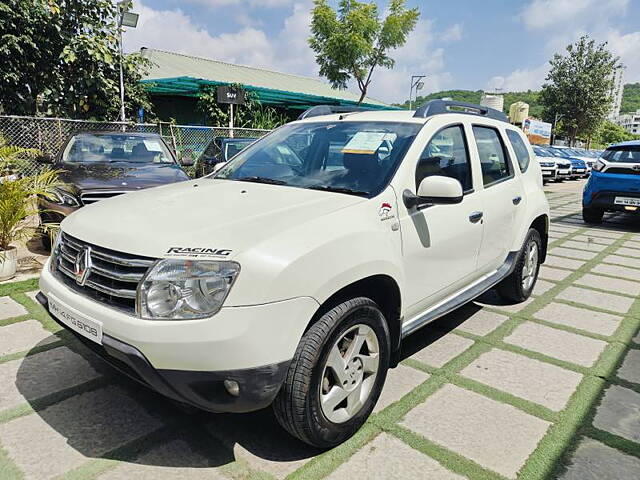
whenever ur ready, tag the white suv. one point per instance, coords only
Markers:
(291, 275)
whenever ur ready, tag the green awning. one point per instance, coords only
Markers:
(192, 87)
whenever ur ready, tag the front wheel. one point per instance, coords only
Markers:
(336, 375)
(592, 215)
(517, 287)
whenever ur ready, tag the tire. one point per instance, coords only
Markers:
(45, 240)
(303, 405)
(517, 287)
(592, 215)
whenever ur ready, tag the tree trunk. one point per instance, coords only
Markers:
(363, 95)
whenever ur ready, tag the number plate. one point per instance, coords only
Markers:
(627, 201)
(76, 322)
(580, 170)
(547, 173)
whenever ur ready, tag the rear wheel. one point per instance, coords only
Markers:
(517, 287)
(336, 375)
(592, 215)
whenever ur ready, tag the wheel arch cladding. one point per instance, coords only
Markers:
(541, 224)
(382, 289)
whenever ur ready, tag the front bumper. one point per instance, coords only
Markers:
(602, 189)
(605, 200)
(188, 361)
(258, 386)
(548, 172)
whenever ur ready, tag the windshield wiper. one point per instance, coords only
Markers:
(271, 181)
(329, 188)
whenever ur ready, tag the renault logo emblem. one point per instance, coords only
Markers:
(82, 267)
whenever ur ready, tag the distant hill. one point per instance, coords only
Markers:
(630, 98)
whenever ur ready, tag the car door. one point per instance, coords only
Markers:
(499, 196)
(440, 242)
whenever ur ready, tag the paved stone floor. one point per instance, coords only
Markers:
(546, 389)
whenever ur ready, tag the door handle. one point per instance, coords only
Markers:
(475, 217)
(517, 200)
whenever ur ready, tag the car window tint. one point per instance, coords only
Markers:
(520, 149)
(446, 154)
(493, 155)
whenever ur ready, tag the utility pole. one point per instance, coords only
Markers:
(125, 19)
(418, 84)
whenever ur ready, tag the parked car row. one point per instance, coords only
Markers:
(560, 163)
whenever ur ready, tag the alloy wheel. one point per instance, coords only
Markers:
(349, 374)
(530, 268)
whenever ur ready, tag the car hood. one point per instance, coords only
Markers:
(201, 218)
(121, 175)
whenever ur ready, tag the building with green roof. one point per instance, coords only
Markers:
(175, 82)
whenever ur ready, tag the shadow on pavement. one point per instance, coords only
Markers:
(114, 417)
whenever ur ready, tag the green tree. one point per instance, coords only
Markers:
(60, 57)
(609, 133)
(630, 98)
(578, 87)
(351, 42)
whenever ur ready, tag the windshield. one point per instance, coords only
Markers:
(347, 157)
(116, 147)
(233, 147)
(626, 154)
(539, 151)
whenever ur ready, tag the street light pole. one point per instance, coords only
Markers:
(125, 19)
(122, 114)
(416, 82)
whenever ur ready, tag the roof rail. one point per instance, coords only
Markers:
(320, 110)
(435, 107)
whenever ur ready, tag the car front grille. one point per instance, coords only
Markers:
(94, 196)
(113, 276)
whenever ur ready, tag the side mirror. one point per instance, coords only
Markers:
(435, 190)
(187, 160)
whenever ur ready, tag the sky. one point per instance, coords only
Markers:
(458, 44)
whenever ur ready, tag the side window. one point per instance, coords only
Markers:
(521, 150)
(493, 155)
(447, 155)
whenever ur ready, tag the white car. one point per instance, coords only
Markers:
(561, 166)
(549, 169)
(291, 275)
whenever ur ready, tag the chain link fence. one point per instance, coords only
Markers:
(49, 135)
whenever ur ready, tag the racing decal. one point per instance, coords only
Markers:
(197, 252)
(386, 211)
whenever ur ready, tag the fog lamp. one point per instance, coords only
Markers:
(232, 387)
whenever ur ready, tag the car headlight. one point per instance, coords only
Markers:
(185, 289)
(599, 165)
(65, 198)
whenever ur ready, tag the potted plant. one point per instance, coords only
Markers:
(17, 202)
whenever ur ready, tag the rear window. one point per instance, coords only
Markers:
(520, 149)
(622, 154)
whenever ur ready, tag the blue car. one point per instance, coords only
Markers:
(614, 184)
(579, 167)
